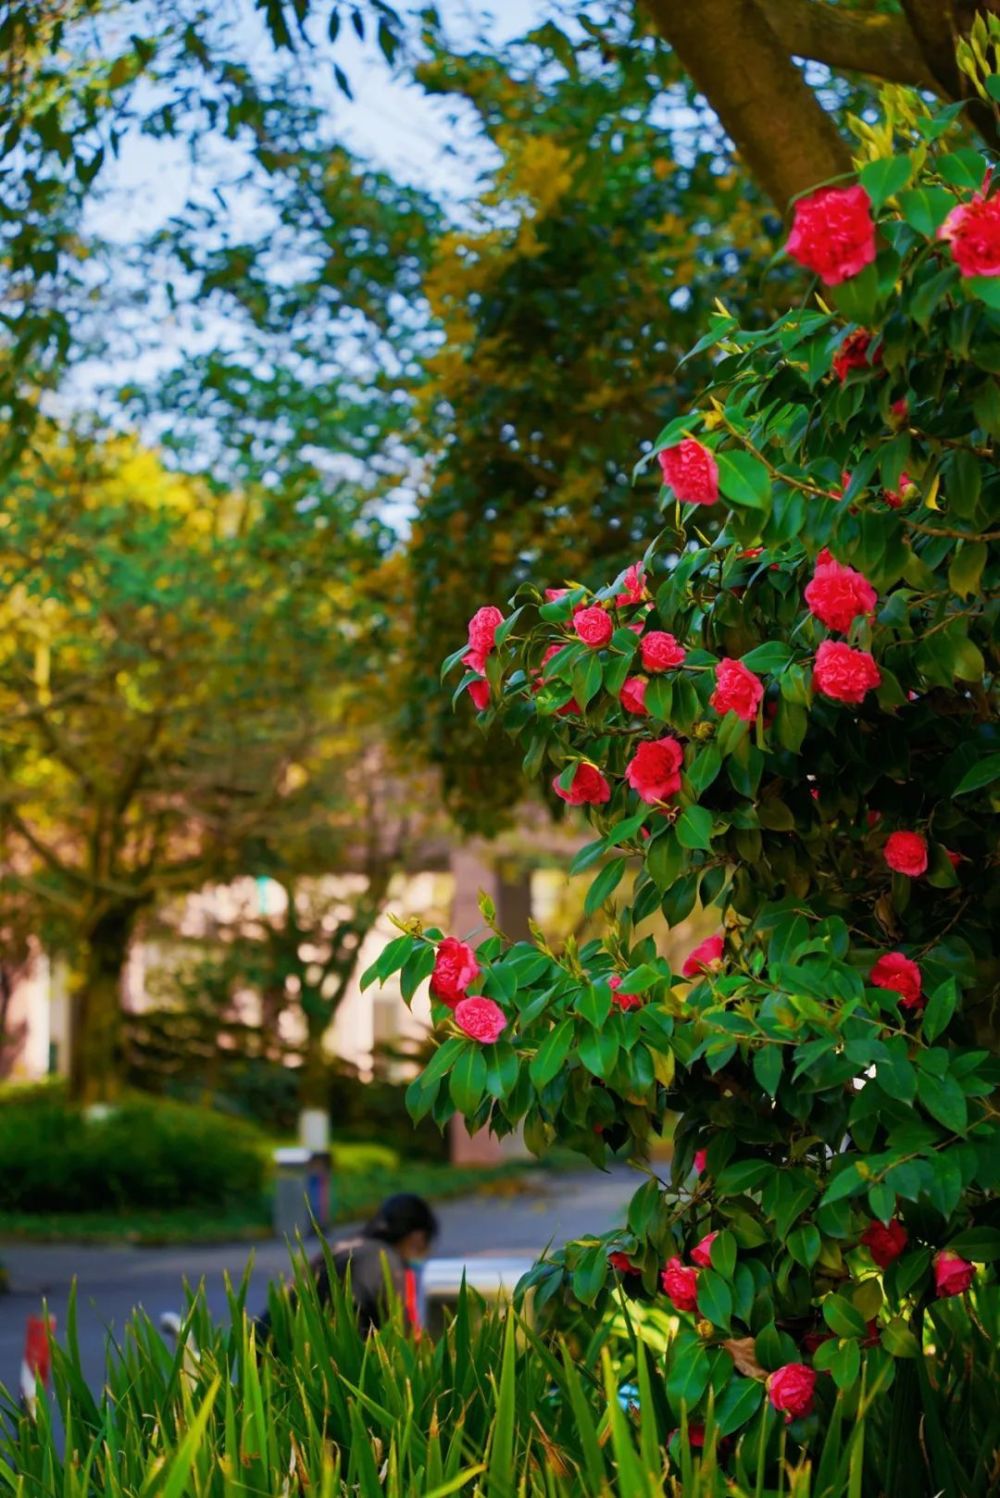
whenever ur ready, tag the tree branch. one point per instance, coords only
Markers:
(743, 68)
(861, 41)
(935, 30)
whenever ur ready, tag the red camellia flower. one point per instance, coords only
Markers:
(482, 629)
(706, 958)
(894, 497)
(885, 1241)
(589, 787)
(953, 858)
(480, 1018)
(737, 690)
(973, 230)
(623, 1001)
(633, 588)
(660, 651)
(900, 410)
(653, 772)
(479, 691)
(906, 853)
(838, 595)
(593, 626)
(700, 1161)
(901, 974)
(680, 1283)
(833, 233)
(691, 472)
(853, 354)
(702, 1253)
(455, 967)
(633, 696)
(844, 674)
(952, 1275)
(813, 1340)
(553, 595)
(622, 1263)
(791, 1389)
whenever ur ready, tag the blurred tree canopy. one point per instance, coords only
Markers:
(361, 392)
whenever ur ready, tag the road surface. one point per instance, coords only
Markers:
(113, 1279)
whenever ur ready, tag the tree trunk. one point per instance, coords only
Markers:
(785, 136)
(96, 1060)
(313, 1080)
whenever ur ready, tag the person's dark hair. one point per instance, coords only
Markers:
(398, 1216)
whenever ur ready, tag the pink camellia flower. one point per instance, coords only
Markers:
(660, 651)
(705, 958)
(833, 233)
(593, 625)
(633, 589)
(791, 1389)
(838, 595)
(482, 629)
(844, 674)
(455, 967)
(902, 975)
(479, 691)
(700, 1161)
(906, 853)
(885, 1241)
(853, 354)
(691, 472)
(680, 1283)
(623, 1001)
(952, 1275)
(589, 787)
(480, 1018)
(653, 772)
(633, 696)
(553, 595)
(973, 230)
(622, 1263)
(701, 1254)
(737, 690)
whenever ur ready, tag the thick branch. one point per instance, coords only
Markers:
(861, 41)
(935, 30)
(784, 135)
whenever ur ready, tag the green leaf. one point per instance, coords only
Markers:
(688, 1372)
(694, 828)
(604, 886)
(773, 656)
(743, 1175)
(926, 208)
(587, 679)
(804, 1245)
(986, 288)
(944, 1100)
(843, 1318)
(548, 1059)
(940, 1008)
(723, 1254)
(467, 1081)
(978, 1244)
(715, 1298)
(740, 1401)
(665, 859)
(966, 568)
(705, 768)
(659, 699)
(590, 1274)
(767, 1063)
(885, 177)
(985, 772)
(744, 479)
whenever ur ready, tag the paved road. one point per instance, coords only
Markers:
(112, 1280)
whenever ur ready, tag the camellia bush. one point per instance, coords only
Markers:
(785, 710)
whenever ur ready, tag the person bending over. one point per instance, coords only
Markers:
(399, 1235)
